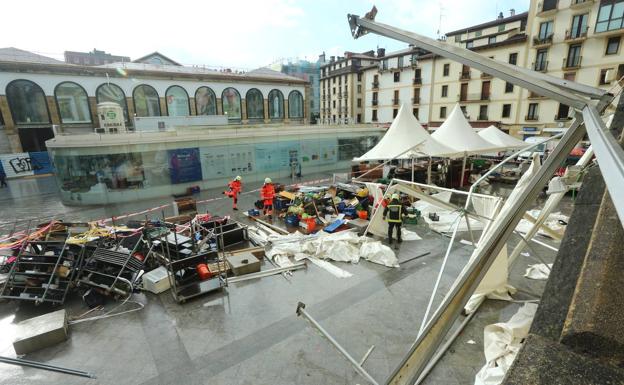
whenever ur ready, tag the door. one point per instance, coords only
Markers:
(485, 90)
(463, 94)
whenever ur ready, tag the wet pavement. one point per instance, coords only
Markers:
(249, 333)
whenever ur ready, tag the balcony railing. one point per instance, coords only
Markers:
(375, 85)
(417, 81)
(540, 66)
(375, 102)
(485, 75)
(542, 41)
(482, 117)
(580, 3)
(566, 117)
(416, 100)
(531, 118)
(571, 62)
(395, 101)
(576, 34)
(464, 75)
(473, 97)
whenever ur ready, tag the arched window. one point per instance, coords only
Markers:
(27, 102)
(231, 101)
(109, 92)
(295, 105)
(177, 101)
(255, 104)
(276, 104)
(73, 103)
(205, 101)
(146, 102)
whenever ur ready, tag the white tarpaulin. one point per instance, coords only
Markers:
(495, 283)
(405, 139)
(499, 138)
(501, 343)
(538, 271)
(379, 227)
(457, 134)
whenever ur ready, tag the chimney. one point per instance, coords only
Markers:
(332, 59)
(512, 12)
(500, 16)
(321, 58)
(381, 52)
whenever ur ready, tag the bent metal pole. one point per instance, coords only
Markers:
(356, 365)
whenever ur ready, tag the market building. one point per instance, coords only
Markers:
(37, 93)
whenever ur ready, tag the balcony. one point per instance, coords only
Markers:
(531, 118)
(417, 81)
(416, 100)
(546, 8)
(467, 98)
(562, 118)
(395, 102)
(485, 76)
(375, 102)
(375, 85)
(578, 34)
(579, 4)
(464, 75)
(540, 66)
(533, 95)
(542, 41)
(571, 62)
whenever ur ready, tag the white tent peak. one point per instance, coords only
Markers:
(495, 136)
(404, 133)
(457, 133)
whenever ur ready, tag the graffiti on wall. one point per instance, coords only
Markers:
(25, 164)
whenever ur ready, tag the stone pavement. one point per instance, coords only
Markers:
(249, 333)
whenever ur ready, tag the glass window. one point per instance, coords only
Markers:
(73, 103)
(27, 102)
(295, 105)
(205, 101)
(112, 93)
(146, 101)
(255, 104)
(579, 26)
(506, 110)
(478, 33)
(397, 77)
(177, 101)
(276, 104)
(231, 101)
(469, 44)
(513, 58)
(546, 30)
(509, 87)
(610, 15)
(446, 69)
(444, 91)
(442, 112)
(613, 45)
(501, 28)
(400, 62)
(492, 40)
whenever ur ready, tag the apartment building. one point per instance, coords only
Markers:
(342, 87)
(577, 40)
(400, 78)
(484, 99)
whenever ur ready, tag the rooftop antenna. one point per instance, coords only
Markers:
(440, 20)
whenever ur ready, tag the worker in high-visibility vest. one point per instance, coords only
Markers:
(267, 194)
(393, 214)
(235, 188)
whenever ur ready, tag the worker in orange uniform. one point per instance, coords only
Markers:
(235, 188)
(267, 194)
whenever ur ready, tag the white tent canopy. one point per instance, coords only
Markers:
(405, 139)
(499, 138)
(457, 133)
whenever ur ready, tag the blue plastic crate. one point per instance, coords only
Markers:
(253, 213)
(292, 220)
(350, 211)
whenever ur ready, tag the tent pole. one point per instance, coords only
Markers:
(429, 172)
(461, 178)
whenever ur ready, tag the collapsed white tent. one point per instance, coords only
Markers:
(406, 139)
(457, 134)
(499, 138)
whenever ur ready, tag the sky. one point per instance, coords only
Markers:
(238, 34)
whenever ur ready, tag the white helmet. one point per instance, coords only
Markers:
(267, 180)
(238, 177)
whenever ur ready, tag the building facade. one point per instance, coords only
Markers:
(343, 87)
(36, 96)
(93, 58)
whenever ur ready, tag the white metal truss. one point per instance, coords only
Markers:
(588, 102)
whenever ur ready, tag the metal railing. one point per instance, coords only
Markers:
(416, 100)
(543, 40)
(540, 66)
(576, 34)
(464, 75)
(542, 4)
(375, 102)
(417, 81)
(375, 85)
(473, 97)
(531, 118)
(482, 117)
(395, 101)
